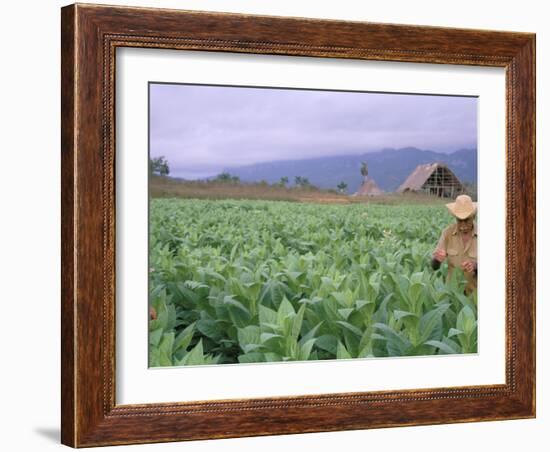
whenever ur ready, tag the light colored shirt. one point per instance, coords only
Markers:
(458, 252)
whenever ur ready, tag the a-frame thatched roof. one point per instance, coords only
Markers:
(368, 188)
(433, 178)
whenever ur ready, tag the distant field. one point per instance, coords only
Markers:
(165, 187)
(242, 281)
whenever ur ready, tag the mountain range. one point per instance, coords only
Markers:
(388, 167)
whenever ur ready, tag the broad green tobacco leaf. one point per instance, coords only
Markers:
(350, 327)
(444, 348)
(165, 349)
(154, 337)
(341, 352)
(466, 321)
(249, 335)
(398, 315)
(285, 315)
(267, 316)
(430, 322)
(328, 342)
(183, 339)
(345, 313)
(212, 329)
(311, 334)
(194, 357)
(305, 349)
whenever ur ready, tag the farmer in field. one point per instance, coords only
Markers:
(458, 242)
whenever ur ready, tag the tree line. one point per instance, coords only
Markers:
(159, 166)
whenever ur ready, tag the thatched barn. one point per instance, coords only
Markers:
(435, 179)
(368, 188)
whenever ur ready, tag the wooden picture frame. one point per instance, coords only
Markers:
(90, 35)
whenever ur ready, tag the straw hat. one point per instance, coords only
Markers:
(463, 207)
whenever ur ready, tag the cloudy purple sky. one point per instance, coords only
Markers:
(203, 129)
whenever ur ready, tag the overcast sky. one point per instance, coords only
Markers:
(203, 129)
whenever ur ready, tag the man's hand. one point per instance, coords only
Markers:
(439, 255)
(469, 266)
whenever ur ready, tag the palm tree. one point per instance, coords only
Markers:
(342, 186)
(364, 169)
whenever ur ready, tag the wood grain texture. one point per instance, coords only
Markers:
(68, 332)
(90, 36)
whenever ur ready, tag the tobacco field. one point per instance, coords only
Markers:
(244, 281)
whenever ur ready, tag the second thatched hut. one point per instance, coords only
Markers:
(368, 188)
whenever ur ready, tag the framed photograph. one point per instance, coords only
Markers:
(281, 225)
